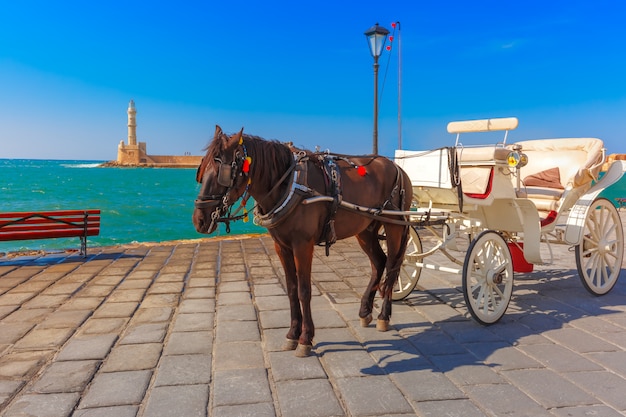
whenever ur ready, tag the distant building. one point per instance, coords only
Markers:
(135, 153)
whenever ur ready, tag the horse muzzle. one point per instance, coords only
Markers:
(204, 220)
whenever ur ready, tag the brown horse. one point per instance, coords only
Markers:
(299, 198)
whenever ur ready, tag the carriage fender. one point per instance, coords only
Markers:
(532, 229)
(576, 219)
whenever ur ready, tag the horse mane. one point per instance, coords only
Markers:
(270, 159)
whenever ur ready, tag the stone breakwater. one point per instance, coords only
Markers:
(184, 162)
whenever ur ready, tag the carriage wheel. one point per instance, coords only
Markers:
(599, 255)
(409, 272)
(487, 277)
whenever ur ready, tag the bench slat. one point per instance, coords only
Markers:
(52, 213)
(43, 222)
(47, 234)
(18, 227)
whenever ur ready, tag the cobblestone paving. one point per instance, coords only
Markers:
(195, 329)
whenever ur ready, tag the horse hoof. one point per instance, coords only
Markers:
(290, 344)
(365, 321)
(302, 351)
(382, 325)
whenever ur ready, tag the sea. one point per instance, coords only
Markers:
(137, 204)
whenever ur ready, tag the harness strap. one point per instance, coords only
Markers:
(455, 175)
(332, 172)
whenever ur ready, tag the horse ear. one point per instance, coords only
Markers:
(218, 131)
(236, 138)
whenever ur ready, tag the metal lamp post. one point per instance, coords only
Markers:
(376, 37)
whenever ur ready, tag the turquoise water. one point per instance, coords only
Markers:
(137, 204)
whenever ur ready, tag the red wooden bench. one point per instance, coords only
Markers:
(50, 224)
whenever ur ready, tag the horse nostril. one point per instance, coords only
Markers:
(198, 220)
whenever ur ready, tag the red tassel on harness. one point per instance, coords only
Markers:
(361, 170)
(246, 165)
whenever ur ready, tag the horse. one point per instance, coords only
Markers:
(300, 197)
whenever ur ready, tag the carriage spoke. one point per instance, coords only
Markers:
(501, 267)
(611, 231)
(603, 269)
(485, 303)
(497, 290)
(480, 299)
(491, 300)
(596, 225)
(479, 286)
(596, 270)
(590, 256)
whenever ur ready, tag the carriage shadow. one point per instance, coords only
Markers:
(442, 337)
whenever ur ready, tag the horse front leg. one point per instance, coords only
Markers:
(295, 327)
(304, 260)
(368, 240)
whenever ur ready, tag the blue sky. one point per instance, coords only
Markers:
(301, 71)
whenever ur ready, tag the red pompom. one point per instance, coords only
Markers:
(246, 165)
(361, 171)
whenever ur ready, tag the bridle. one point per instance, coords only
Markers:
(227, 175)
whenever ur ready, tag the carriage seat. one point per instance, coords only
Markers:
(556, 166)
(476, 164)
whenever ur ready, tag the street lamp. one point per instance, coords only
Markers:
(376, 37)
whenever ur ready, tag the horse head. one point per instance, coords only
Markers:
(223, 175)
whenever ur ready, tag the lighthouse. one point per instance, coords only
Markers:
(133, 153)
(132, 124)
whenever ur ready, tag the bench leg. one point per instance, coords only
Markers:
(83, 246)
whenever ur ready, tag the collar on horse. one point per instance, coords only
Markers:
(297, 189)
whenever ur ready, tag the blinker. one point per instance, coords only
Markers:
(224, 175)
(199, 172)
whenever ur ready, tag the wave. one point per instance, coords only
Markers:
(89, 165)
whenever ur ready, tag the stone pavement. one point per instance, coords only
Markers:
(195, 329)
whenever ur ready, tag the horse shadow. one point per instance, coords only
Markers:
(541, 303)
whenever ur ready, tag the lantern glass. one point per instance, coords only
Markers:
(376, 37)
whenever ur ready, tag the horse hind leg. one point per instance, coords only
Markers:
(397, 239)
(368, 240)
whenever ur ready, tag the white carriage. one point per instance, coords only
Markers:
(511, 202)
